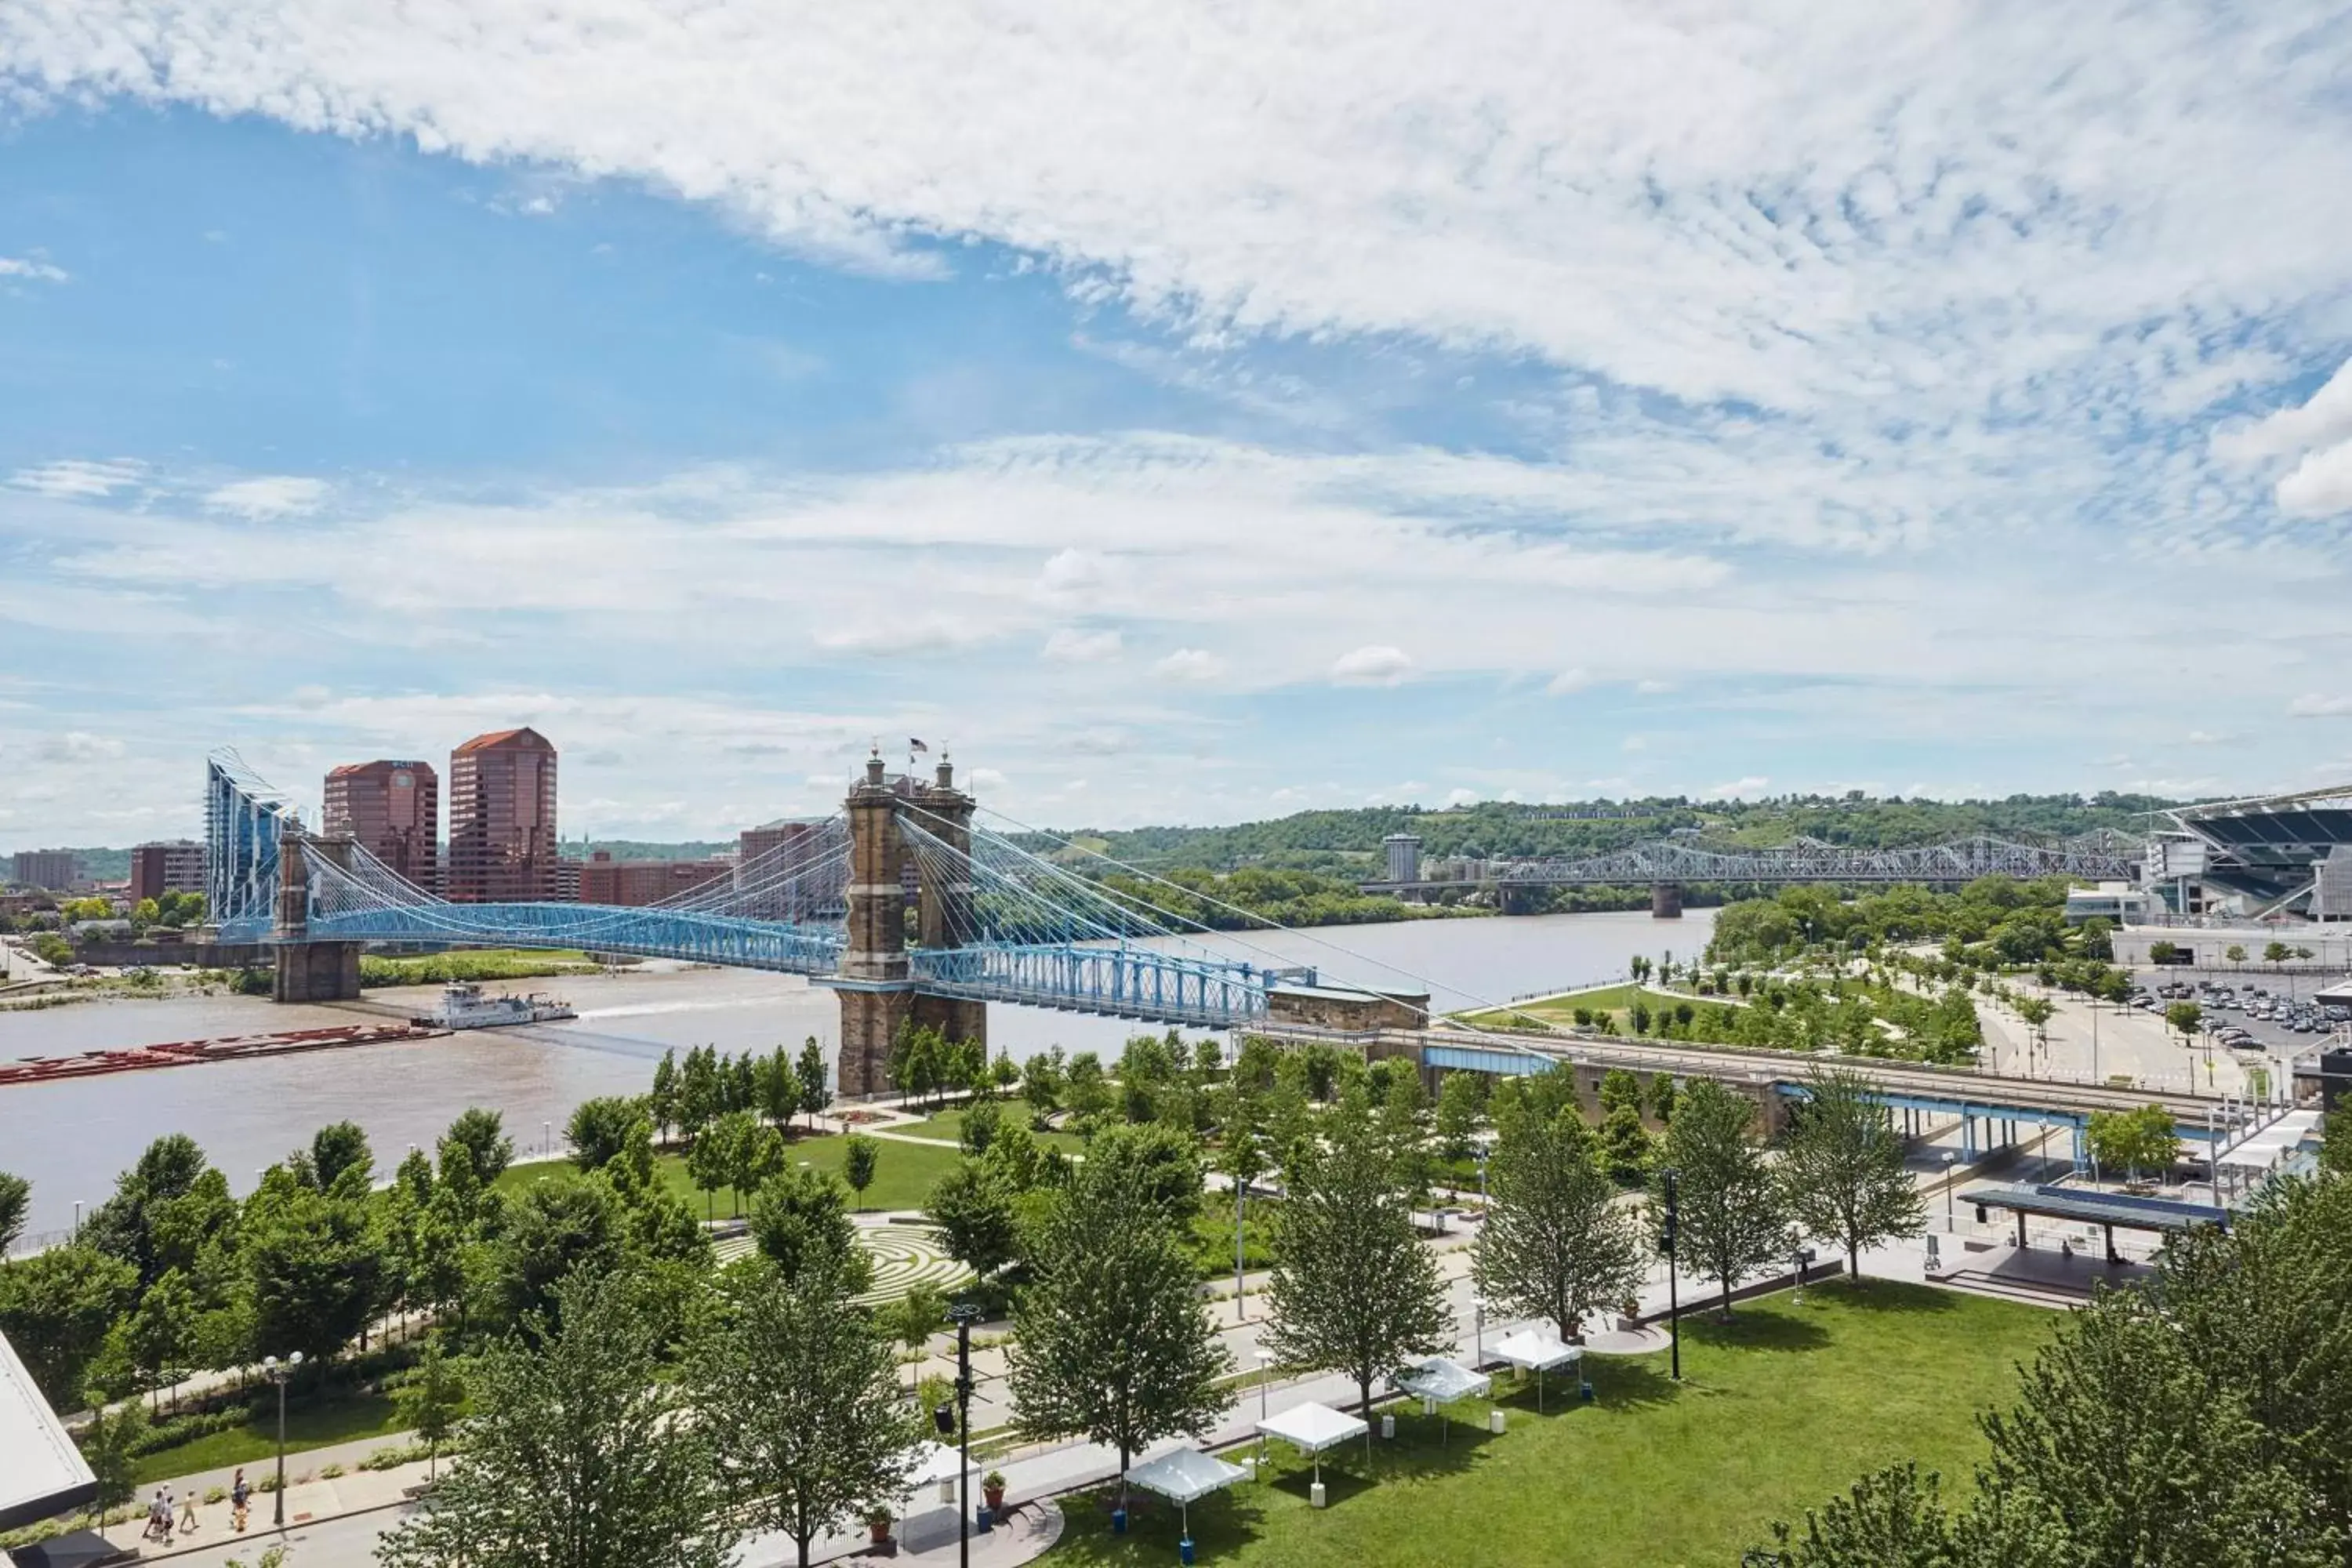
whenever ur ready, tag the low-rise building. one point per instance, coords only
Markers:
(177, 866)
(604, 880)
(55, 869)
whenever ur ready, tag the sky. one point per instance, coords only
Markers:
(1182, 413)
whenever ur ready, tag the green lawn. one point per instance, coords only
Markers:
(309, 1424)
(1786, 1406)
(948, 1124)
(903, 1177)
(1561, 1011)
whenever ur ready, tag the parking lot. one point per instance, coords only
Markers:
(2271, 1017)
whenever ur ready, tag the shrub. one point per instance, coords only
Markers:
(328, 1472)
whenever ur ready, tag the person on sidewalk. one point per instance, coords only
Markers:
(188, 1513)
(168, 1501)
(159, 1518)
(240, 1500)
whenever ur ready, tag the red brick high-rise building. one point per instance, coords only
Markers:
(604, 880)
(160, 869)
(394, 810)
(502, 819)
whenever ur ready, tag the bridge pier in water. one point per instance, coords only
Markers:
(877, 998)
(1665, 901)
(309, 970)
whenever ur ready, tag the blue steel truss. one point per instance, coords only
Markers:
(1120, 981)
(1030, 932)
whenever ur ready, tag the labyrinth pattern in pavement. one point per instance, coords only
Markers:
(905, 1256)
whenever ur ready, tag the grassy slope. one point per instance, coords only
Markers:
(903, 1178)
(948, 1125)
(1786, 1405)
(308, 1426)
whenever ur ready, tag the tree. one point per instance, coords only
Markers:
(578, 1454)
(1041, 1083)
(800, 1395)
(1626, 1146)
(2236, 955)
(1168, 1164)
(1620, 1088)
(801, 1221)
(15, 1199)
(1109, 1341)
(860, 1156)
(1732, 1210)
(915, 1316)
(980, 1124)
(2036, 1012)
(1352, 1290)
(602, 1128)
(311, 1263)
(1661, 1095)
(159, 1329)
(431, 1400)
(759, 1156)
(56, 1308)
(972, 1206)
(2275, 953)
(482, 1135)
(552, 1229)
(779, 1088)
(2134, 1140)
(711, 1161)
(1842, 1165)
(661, 1100)
(1460, 1111)
(337, 1147)
(1555, 1243)
(2184, 1016)
(110, 1446)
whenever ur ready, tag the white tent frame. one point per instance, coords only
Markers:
(1542, 1352)
(1226, 1475)
(1348, 1429)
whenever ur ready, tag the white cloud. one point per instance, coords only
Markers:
(2319, 434)
(1739, 789)
(79, 746)
(2314, 706)
(1462, 797)
(1377, 664)
(1568, 681)
(74, 479)
(1069, 644)
(1709, 199)
(269, 497)
(2320, 486)
(1653, 688)
(1191, 663)
(33, 269)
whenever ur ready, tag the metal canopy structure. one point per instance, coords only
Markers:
(2165, 1214)
(42, 1474)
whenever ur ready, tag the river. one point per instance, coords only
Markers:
(71, 1138)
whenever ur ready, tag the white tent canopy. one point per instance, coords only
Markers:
(1443, 1381)
(936, 1462)
(1185, 1475)
(1540, 1350)
(1311, 1428)
(41, 1471)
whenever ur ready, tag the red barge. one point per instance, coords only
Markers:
(227, 1048)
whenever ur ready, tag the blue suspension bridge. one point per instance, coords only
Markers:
(993, 921)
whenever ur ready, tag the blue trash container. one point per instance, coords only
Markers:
(985, 1521)
(1118, 1521)
(1184, 1552)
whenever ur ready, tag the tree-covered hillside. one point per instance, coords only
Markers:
(1348, 843)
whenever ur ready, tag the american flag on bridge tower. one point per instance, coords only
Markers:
(914, 745)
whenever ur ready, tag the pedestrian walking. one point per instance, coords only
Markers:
(159, 1517)
(167, 1519)
(240, 1498)
(188, 1513)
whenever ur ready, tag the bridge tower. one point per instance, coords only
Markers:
(309, 970)
(877, 995)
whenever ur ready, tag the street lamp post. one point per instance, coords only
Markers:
(278, 1372)
(1264, 1366)
(1667, 1238)
(963, 1314)
(1949, 1157)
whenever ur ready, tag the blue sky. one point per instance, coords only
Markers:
(1178, 415)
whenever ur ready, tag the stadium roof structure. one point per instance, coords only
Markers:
(2271, 847)
(41, 1472)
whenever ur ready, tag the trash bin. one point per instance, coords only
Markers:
(984, 1521)
(1388, 1426)
(1118, 1521)
(1315, 1496)
(1494, 1421)
(1184, 1551)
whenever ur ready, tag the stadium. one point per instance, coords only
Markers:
(2274, 856)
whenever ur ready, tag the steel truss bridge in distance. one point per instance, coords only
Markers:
(2098, 857)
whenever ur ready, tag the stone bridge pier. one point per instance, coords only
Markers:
(310, 970)
(1665, 901)
(877, 998)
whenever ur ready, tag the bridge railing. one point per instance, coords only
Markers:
(646, 933)
(1119, 980)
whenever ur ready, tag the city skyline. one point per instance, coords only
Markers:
(1201, 424)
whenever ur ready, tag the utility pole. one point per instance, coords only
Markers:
(963, 1314)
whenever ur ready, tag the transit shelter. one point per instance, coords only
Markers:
(2082, 1206)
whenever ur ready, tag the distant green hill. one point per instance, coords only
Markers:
(1348, 843)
